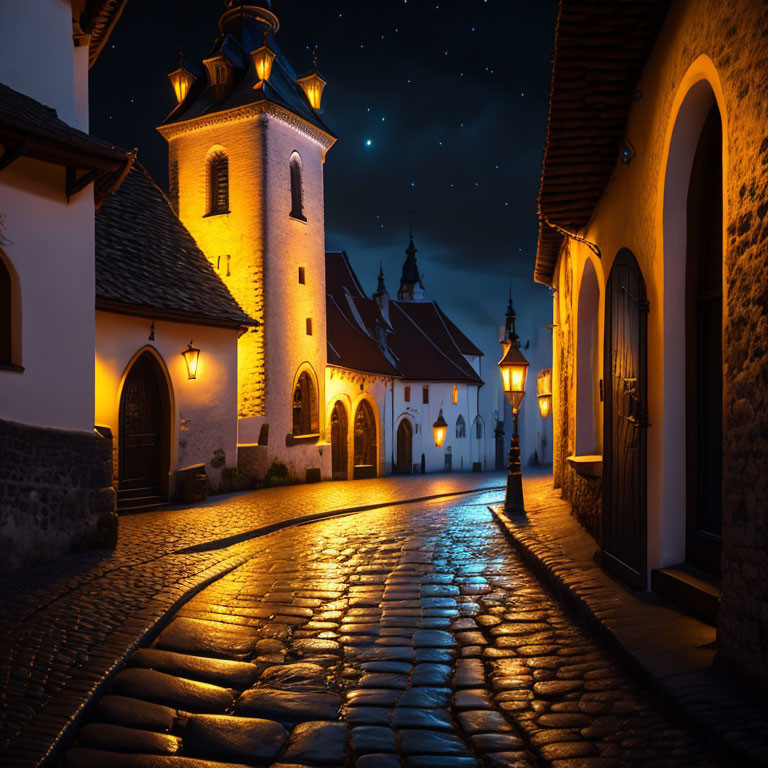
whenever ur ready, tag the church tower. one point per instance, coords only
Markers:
(246, 152)
(411, 286)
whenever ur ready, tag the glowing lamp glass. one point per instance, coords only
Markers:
(181, 80)
(514, 370)
(263, 59)
(191, 357)
(544, 391)
(440, 428)
(313, 88)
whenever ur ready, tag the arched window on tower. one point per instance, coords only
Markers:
(305, 413)
(461, 427)
(218, 183)
(297, 188)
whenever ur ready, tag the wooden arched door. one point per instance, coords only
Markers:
(405, 447)
(366, 445)
(625, 423)
(144, 438)
(339, 431)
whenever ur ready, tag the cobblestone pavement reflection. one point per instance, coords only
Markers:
(409, 636)
(64, 624)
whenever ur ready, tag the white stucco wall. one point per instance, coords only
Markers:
(36, 53)
(50, 247)
(463, 450)
(204, 409)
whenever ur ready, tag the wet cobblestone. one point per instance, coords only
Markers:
(408, 636)
(63, 625)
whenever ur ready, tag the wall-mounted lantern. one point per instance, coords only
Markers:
(191, 357)
(440, 428)
(544, 392)
(313, 86)
(263, 58)
(181, 80)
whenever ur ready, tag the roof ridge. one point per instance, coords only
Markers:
(450, 335)
(421, 331)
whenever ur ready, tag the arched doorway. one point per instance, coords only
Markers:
(339, 433)
(404, 447)
(305, 407)
(704, 351)
(144, 438)
(624, 537)
(366, 445)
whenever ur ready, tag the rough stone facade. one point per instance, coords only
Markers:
(56, 494)
(723, 43)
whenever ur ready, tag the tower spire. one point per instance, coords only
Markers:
(510, 335)
(411, 285)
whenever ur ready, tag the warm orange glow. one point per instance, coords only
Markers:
(544, 391)
(440, 428)
(191, 357)
(455, 395)
(313, 87)
(181, 80)
(514, 369)
(263, 59)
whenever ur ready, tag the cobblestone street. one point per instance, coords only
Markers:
(403, 636)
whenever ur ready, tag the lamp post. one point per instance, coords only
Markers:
(514, 369)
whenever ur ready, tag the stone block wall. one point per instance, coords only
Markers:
(56, 494)
(586, 497)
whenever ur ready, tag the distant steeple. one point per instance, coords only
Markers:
(411, 286)
(510, 335)
(381, 297)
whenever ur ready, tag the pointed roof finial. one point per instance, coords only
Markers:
(510, 335)
(314, 60)
(381, 288)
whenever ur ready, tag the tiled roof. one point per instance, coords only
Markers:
(281, 88)
(418, 343)
(147, 262)
(19, 112)
(600, 51)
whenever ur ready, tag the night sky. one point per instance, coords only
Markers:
(440, 109)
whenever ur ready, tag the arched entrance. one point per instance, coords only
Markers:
(624, 537)
(587, 392)
(339, 431)
(366, 445)
(144, 438)
(404, 447)
(704, 351)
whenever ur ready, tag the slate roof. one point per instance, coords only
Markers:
(600, 50)
(281, 88)
(419, 343)
(147, 263)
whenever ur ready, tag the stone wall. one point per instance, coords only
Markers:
(56, 494)
(586, 497)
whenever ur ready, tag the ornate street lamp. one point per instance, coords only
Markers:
(191, 357)
(181, 80)
(440, 428)
(544, 392)
(514, 370)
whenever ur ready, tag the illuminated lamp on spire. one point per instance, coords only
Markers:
(313, 86)
(181, 79)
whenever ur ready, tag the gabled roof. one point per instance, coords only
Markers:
(423, 346)
(148, 264)
(600, 51)
(418, 342)
(281, 88)
(29, 128)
